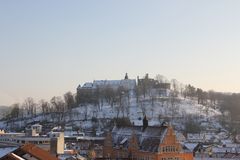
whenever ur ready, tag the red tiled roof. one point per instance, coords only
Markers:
(37, 152)
(9, 156)
(32, 150)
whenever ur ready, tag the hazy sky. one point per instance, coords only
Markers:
(49, 47)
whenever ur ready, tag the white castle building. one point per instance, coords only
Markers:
(128, 84)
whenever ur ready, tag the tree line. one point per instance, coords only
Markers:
(119, 99)
(30, 108)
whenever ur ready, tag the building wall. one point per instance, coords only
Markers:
(170, 149)
(57, 144)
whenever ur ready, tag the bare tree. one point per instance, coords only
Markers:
(152, 97)
(175, 87)
(30, 106)
(59, 108)
(138, 93)
(69, 100)
(174, 101)
(110, 95)
(146, 85)
(199, 93)
(213, 98)
(45, 107)
(128, 110)
(117, 109)
(15, 112)
(181, 89)
(70, 103)
(85, 112)
(122, 99)
(162, 100)
(190, 91)
(143, 108)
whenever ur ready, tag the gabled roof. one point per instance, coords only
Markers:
(148, 139)
(32, 150)
(191, 146)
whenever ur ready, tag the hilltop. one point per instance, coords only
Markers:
(98, 104)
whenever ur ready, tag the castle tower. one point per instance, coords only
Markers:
(126, 76)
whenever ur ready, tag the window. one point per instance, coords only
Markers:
(167, 149)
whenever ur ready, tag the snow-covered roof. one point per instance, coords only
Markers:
(200, 136)
(191, 146)
(88, 85)
(126, 83)
(37, 124)
(114, 83)
(5, 151)
(224, 149)
(180, 137)
(148, 139)
(226, 141)
(195, 136)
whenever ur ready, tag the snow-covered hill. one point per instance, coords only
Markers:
(156, 111)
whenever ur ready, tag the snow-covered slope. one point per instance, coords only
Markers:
(156, 111)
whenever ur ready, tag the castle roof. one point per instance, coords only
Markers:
(127, 83)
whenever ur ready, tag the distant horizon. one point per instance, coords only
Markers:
(74, 91)
(49, 47)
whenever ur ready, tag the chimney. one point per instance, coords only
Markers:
(31, 132)
(57, 144)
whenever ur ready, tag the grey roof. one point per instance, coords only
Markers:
(126, 83)
(148, 140)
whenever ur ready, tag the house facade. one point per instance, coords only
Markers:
(144, 143)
